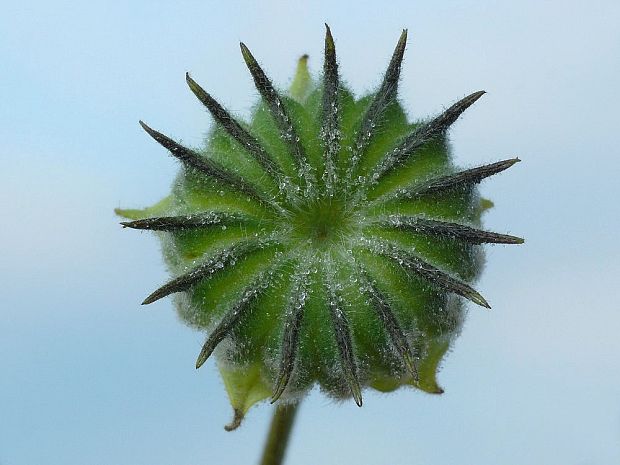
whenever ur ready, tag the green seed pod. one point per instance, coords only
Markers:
(328, 241)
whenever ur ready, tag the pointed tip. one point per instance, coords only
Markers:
(247, 55)
(198, 91)
(511, 240)
(206, 351)
(505, 164)
(302, 68)
(438, 390)
(202, 358)
(154, 297)
(149, 130)
(356, 393)
(402, 41)
(302, 81)
(236, 421)
(190, 82)
(478, 299)
(277, 394)
(125, 224)
(476, 95)
(329, 39)
(279, 390)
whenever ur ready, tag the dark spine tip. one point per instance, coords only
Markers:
(236, 421)
(151, 132)
(329, 39)
(279, 390)
(504, 165)
(205, 352)
(198, 91)
(397, 56)
(200, 361)
(400, 48)
(190, 82)
(247, 55)
(357, 395)
(468, 102)
(402, 41)
(157, 136)
(476, 298)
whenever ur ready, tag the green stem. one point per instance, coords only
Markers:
(279, 432)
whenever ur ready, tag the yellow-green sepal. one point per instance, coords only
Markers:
(245, 387)
(302, 83)
(158, 209)
(427, 368)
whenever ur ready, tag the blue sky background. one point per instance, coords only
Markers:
(90, 377)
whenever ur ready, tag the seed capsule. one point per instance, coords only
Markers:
(328, 241)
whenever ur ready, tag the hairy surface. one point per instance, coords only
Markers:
(328, 241)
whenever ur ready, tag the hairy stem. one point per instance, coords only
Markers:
(279, 433)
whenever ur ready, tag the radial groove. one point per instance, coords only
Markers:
(278, 111)
(230, 320)
(430, 273)
(342, 334)
(453, 230)
(393, 328)
(290, 336)
(235, 130)
(318, 237)
(423, 134)
(330, 133)
(384, 96)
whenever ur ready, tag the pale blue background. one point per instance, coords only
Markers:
(87, 376)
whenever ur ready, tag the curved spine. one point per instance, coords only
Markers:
(235, 130)
(423, 134)
(448, 229)
(381, 100)
(330, 131)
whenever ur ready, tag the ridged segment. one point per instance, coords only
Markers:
(378, 251)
